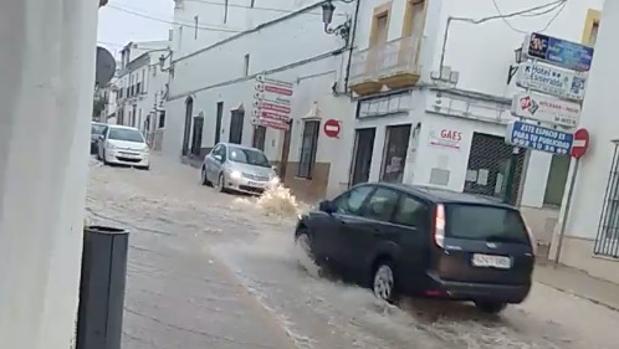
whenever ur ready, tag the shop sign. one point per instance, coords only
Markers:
(559, 52)
(546, 109)
(535, 137)
(446, 137)
(272, 102)
(551, 80)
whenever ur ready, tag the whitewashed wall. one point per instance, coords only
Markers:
(600, 118)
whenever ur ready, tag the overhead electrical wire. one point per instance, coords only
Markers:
(272, 9)
(157, 19)
(547, 8)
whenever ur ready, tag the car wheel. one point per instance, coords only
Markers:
(203, 178)
(221, 183)
(305, 255)
(384, 283)
(490, 307)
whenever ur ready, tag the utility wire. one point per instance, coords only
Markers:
(552, 6)
(490, 18)
(272, 9)
(157, 19)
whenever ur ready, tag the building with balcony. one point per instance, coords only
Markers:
(430, 84)
(141, 88)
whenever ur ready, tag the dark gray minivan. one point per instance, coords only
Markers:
(414, 240)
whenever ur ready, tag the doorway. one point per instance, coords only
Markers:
(220, 114)
(259, 137)
(196, 140)
(489, 165)
(394, 153)
(362, 160)
(236, 126)
(187, 131)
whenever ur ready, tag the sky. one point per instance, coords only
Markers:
(117, 27)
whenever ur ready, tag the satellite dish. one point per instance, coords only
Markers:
(106, 66)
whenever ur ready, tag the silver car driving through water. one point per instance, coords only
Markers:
(238, 168)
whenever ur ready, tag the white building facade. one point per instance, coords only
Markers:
(416, 126)
(212, 92)
(591, 235)
(403, 121)
(141, 88)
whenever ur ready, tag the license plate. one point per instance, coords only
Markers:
(491, 261)
(255, 184)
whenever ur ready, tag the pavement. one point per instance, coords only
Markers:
(578, 283)
(211, 270)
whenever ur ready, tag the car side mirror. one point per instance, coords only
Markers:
(326, 206)
(101, 137)
(218, 157)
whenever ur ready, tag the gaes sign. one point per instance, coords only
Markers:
(446, 138)
(552, 80)
(560, 52)
(546, 109)
(535, 137)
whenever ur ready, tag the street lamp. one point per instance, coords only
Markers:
(342, 30)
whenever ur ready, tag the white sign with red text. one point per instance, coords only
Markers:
(546, 109)
(272, 102)
(446, 137)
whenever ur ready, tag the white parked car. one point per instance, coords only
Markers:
(124, 146)
(238, 168)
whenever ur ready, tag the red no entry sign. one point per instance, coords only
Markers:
(581, 143)
(332, 128)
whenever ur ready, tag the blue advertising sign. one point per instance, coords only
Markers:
(564, 53)
(535, 137)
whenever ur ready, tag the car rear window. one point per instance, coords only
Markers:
(487, 223)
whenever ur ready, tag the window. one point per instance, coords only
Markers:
(246, 65)
(592, 26)
(351, 203)
(226, 4)
(259, 137)
(125, 134)
(557, 177)
(252, 3)
(486, 223)
(380, 25)
(220, 114)
(382, 204)
(607, 239)
(309, 145)
(196, 21)
(411, 212)
(162, 119)
(248, 156)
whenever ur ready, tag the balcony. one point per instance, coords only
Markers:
(394, 64)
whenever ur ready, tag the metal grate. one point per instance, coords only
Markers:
(488, 167)
(607, 239)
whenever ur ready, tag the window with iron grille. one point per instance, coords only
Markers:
(309, 145)
(607, 239)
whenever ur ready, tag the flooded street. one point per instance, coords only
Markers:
(218, 271)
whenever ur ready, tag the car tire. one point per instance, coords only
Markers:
(384, 281)
(221, 183)
(490, 307)
(203, 178)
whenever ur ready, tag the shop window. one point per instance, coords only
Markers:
(557, 177)
(309, 146)
(394, 153)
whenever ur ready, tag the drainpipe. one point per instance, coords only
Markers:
(351, 45)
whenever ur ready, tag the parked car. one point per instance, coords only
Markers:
(96, 130)
(238, 168)
(124, 146)
(413, 240)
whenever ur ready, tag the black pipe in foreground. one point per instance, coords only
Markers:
(102, 288)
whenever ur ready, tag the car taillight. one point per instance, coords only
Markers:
(439, 225)
(531, 237)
